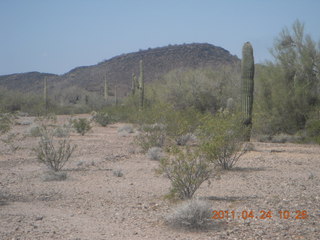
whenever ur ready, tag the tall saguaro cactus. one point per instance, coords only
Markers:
(247, 85)
(105, 88)
(134, 84)
(116, 94)
(141, 85)
(45, 94)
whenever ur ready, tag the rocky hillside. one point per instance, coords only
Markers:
(118, 70)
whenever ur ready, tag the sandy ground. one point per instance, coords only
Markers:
(93, 203)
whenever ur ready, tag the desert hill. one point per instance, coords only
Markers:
(118, 70)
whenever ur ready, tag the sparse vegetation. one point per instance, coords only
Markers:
(6, 121)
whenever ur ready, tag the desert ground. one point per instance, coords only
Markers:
(95, 203)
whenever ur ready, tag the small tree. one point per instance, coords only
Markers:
(288, 88)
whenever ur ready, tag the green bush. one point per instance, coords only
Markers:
(187, 170)
(287, 89)
(6, 121)
(102, 118)
(152, 135)
(221, 139)
(81, 125)
(201, 89)
(313, 130)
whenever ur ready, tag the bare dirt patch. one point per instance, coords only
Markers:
(95, 203)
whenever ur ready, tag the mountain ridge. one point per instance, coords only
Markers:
(119, 69)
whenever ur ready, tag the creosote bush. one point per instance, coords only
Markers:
(151, 135)
(187, 170)
(193, 214)
(53, 153)
(222, 140)
(81, 125)
(101, 118)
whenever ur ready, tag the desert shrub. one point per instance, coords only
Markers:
(6, 121)
(264, 138)
(153, 135)
(126, 128)
(121, 113)
(202, 89)
(12, 141)
(193, 214)
(53, 153)
(222, 140)
(283, 138)
(81, 125)
(313, 130)
(187, 170)
(35, 131)
(54, 176)
(102, 118)
(118, 173)
(62, 131)
(184, 139)
(155, 153)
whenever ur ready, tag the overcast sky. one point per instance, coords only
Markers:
(57, 35)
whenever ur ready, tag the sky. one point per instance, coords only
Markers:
(55, 36)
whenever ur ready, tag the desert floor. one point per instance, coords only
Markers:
(94, 203)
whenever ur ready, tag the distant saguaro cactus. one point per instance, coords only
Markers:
(141, 85)
(247, 85)
(105, 88)
(134, 84)
(115, 94)
(45, 94)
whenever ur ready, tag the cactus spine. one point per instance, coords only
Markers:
(45, 94)
(141, 85)
(247, 85)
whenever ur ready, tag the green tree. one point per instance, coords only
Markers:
(288, 89)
